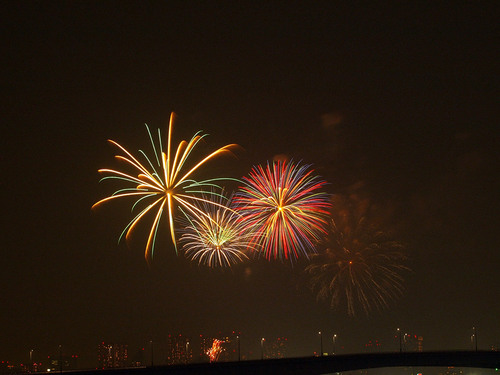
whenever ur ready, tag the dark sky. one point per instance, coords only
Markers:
(397, 100)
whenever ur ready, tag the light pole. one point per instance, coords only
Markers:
(474, 335)
(262, 347)
(400, 343)
(320, 343)
(31, 361)
(60, 359)
(239, 356)
(334, 343)
(151, 347)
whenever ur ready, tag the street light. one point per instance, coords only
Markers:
(151, 346)
(400, 343)
(474, 335)
(31, 361)
(321, 343)
(60, 359)
(239, 356)
(262, 347)
(334, 342)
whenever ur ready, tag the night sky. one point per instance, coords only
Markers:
(395, 103)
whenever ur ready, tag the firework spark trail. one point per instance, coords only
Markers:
(167, 184)
(218, 239)
(360, 267)
(285, 208)
(215, 351)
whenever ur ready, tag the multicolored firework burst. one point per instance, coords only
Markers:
(360, 267)
(165, 183)
(217, 239)
(285, 209)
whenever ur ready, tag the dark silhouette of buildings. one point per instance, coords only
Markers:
(179, 350)
(112, 355)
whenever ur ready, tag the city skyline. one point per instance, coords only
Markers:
(180, 349)
(393, 107)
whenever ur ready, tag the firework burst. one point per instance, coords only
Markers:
(162, 183)
(361, 268)
(217, 239)
(215, 350)
(282, 204)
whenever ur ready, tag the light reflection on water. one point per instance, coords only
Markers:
(421, 371)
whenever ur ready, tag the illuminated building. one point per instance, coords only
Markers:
(5, 366)
(276, 348)
(179, 350)
(138, 359)
(230, 346)
(373, 346)
(60, 362)
(420, 344)
(413, 343)
(112, 355)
